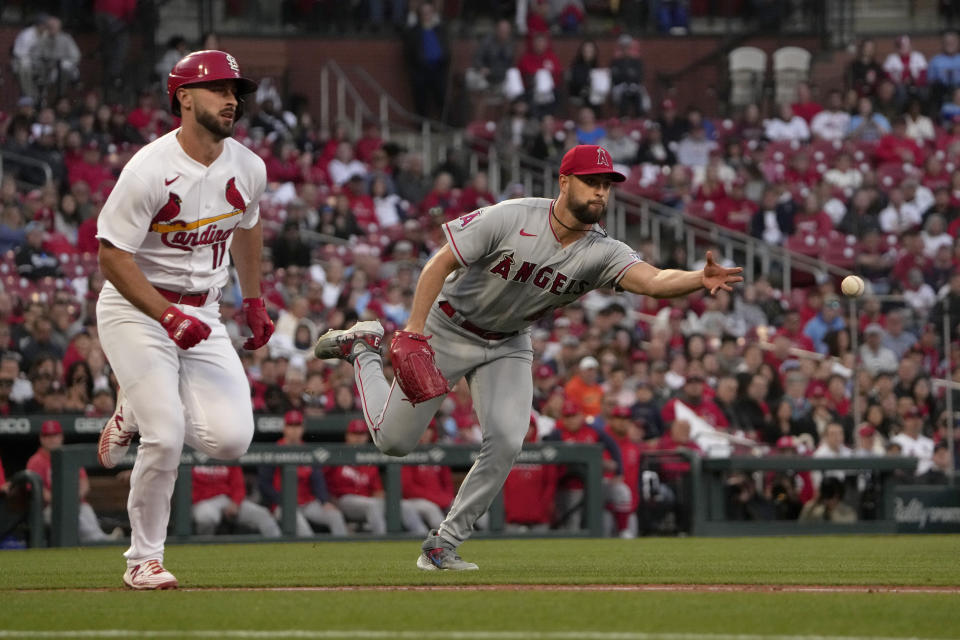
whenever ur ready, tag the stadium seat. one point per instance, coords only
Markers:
(791, 66)
(748, 68)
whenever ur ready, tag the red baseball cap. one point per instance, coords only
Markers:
(621, 412)
(866, 430)
(589, 159)
(293, 417)
(50, 428)
(785, 442)
(570, 408)
(544, 371)
(357, 426)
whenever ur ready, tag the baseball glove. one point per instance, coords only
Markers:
(415, 369)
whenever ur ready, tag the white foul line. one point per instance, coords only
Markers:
(370, 634)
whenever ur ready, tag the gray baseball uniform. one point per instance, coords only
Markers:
(514, 271)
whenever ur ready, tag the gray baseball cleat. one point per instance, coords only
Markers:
(439, 555)
(346, 344)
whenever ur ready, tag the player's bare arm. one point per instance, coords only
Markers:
(246, 249)
(119, 268)
(646, 279)
(438, 267)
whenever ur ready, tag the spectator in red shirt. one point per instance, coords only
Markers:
(359, 493)
(529, 492)
(88, 527)
(692, 396)
(812, 220)
(219, 493)
(147, 118)
(624, 511)
(369, 142)
(314, 505)
(793, 329)
(572, 427)
(540, 56)
(442, 202)
(283, 163)
(911, 256)
(805, 106)
(477, 194)
(800, 171)
(91, 170)
(428, 489)
(897, 147)
(737, 210)
(364, 210)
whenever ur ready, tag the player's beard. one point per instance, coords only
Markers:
(584, 212)
(212, 123)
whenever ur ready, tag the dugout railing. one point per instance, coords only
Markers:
(883, 473)
(68, 460)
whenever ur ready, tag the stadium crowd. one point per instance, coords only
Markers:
(868, 179)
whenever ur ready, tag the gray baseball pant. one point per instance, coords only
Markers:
(498, 372)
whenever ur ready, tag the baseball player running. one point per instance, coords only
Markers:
(502, 268)
(181, 203)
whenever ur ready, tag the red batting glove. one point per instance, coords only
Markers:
(259, 322)
(185, 330)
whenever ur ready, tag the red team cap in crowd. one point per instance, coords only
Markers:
(293, 417)
(543, 371)
(357, 426)
(621, 412)
(589, 159)
(50, 428)
(570, 408)
(866, 431)
(785, 442)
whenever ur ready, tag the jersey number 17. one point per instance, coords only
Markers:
(219, 251)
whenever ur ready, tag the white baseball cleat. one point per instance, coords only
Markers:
(116, 435)
(149, 575)
(345, 344)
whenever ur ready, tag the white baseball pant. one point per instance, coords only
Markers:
(373, 511)
(200, 397)
(318, 514)
(208, 514)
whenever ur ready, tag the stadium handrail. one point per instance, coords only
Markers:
(709, 518)
(538, 177)
(430, 137)
(28, 161)
(32, 483)
(69, 459)
(655, 219)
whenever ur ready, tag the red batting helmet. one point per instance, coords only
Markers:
(207, 66)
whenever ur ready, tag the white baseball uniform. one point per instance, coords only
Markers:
(177, 217)
(514, 271)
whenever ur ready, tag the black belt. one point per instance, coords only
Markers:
(458, 319)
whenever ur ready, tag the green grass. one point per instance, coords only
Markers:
(36, 584)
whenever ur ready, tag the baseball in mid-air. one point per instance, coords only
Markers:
(852, 286)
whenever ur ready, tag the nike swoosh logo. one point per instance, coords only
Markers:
(170, 182)
(527, 235)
